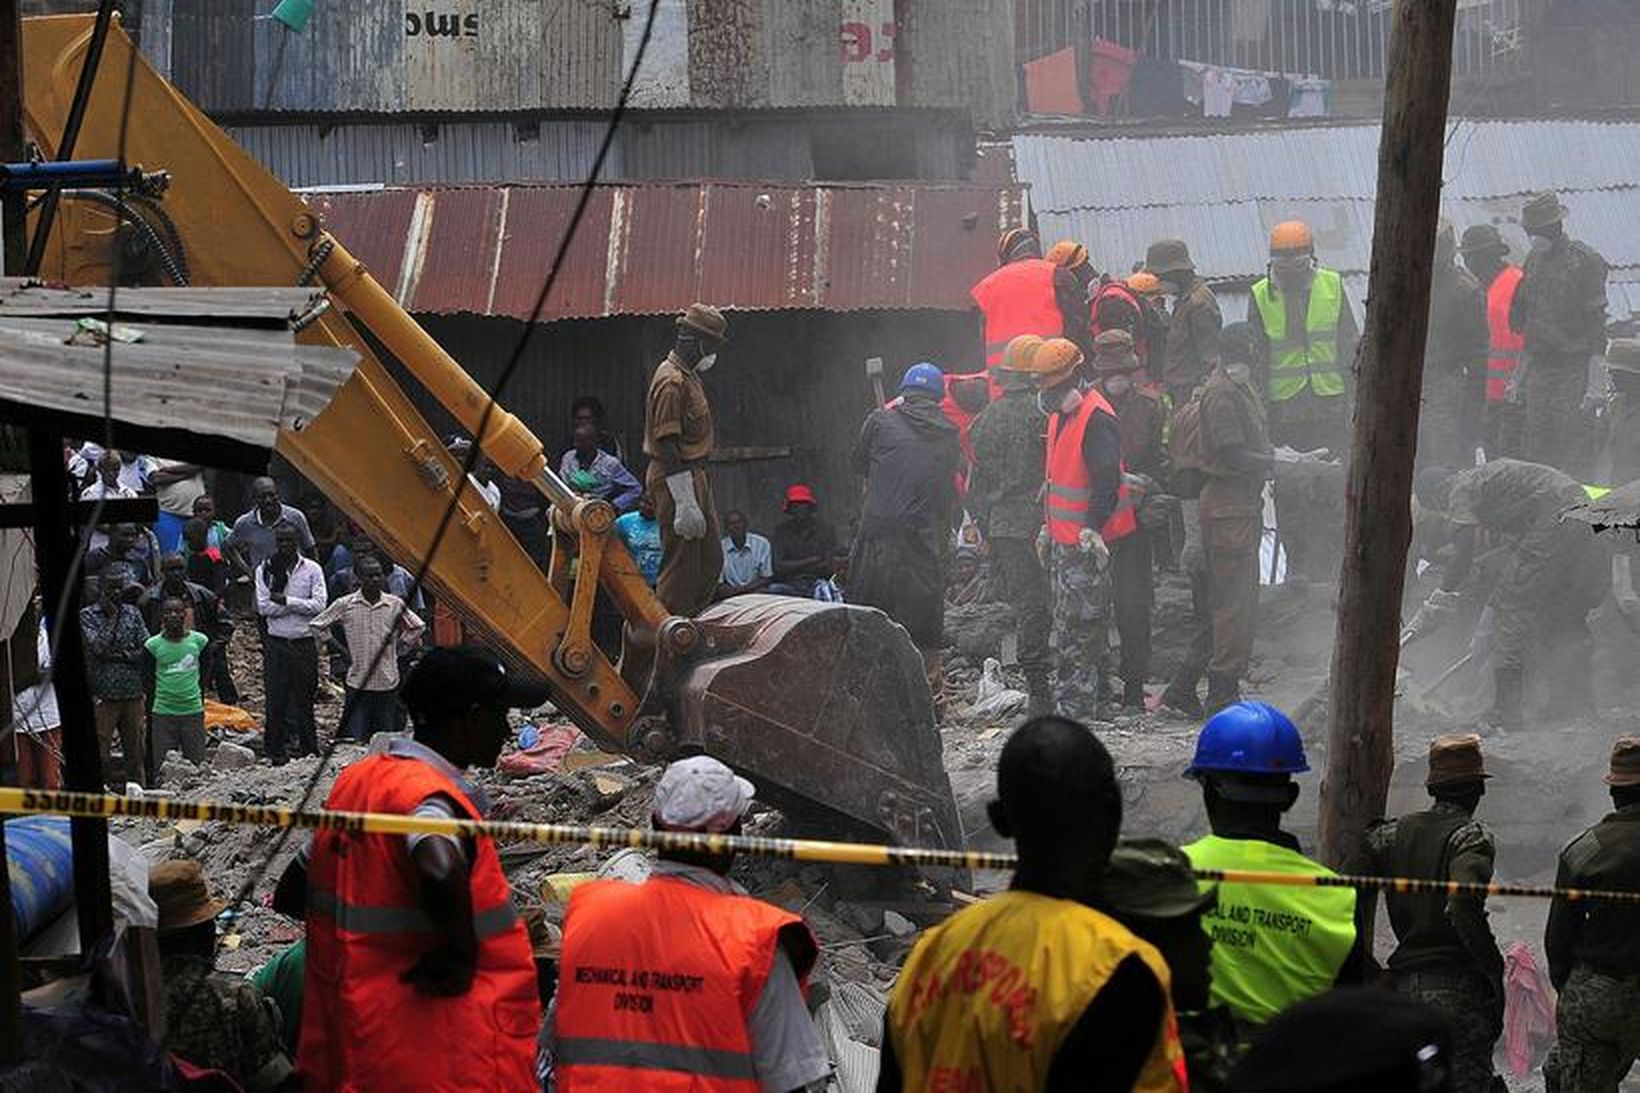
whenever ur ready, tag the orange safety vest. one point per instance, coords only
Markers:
(362, 1027)
(657, 985)
(1141, 344)
(1018, 299)
(1507, 346)
(1070, 488)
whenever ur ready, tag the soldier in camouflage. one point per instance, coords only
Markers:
(1081, 629)
(1560, 308)
(1593, 946)
(1445, 955)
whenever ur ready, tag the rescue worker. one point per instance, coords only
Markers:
(1560, 308)
(1593, 946)
(1445, 955)
(1034, 988)
(1304, 336)
(1027, 294)
(1273, 946)
(1112, 305)
(1486, 256)
(1555, 574)
(1144, 457)
(1455, 369)
(1087, 508)
(1193, 331)
(1229, 455)
(908, 454)
(677, 439)
(1147, 289)
(412, 940)
(1152, 891)
(684, 981)
(1004, 496)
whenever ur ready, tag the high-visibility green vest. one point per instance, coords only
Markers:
(1294, 360)
(1273, 946)
(1596, 492)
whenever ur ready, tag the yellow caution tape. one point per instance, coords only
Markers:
(99, 805)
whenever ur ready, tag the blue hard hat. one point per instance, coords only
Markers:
(924, 377)
(1248, 738)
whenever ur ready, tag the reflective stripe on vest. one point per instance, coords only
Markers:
(1272, 946)
(1307, 358)
(636, 1055)
(1018, 299)
(1507, 347)
(358, 918)
(1070, 488)
(987, 997)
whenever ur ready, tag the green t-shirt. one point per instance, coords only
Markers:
(176, 673)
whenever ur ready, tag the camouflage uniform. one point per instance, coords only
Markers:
(1560, 307)
(1599, 1037)
(222, 1024)
(1081, 620)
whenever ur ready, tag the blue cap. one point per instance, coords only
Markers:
(1248, 738)
(924, 377)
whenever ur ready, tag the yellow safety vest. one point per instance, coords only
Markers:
(987, 997)
(1273, 946)
(1309, 357)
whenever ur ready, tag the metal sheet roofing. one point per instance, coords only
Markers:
(651, 249)
(1221, 192)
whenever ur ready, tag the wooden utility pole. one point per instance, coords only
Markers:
(1390, 371)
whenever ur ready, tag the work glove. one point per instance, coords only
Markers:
(1091, 543)
(1433, 613)
(1044, 547)
(687, 519)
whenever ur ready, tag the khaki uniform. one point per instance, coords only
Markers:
(1192, 341)
(677, 410)
(1560, 307)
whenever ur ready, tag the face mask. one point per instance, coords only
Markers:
(1117, 386)
(1241, 373)
(706, 362)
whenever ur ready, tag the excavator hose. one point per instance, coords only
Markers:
(175, 270)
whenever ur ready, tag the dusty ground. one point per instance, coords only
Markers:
(1547, 787)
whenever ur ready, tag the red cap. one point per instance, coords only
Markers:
(798, 494)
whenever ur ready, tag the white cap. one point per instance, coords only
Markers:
(701, 794)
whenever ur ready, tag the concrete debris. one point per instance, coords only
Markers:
(232, 757)
(898, 925)
(176, 770)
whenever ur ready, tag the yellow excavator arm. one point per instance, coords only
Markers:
(865, 746)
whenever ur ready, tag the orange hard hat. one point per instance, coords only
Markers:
(1291, 237)
(1015, 240)
(1019, 353)
(1068, 254)
(1145, 283)
(1053, 361)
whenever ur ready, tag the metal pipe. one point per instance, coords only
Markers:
(71, 129)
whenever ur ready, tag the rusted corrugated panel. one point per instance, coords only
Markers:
(537, 217)
(958, 53)
(374, 225)
(578, 43)
(729, 53)
(653, 249)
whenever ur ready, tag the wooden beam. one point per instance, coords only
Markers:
(1390, 372)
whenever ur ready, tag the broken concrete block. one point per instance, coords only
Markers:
(233, 757)
(897, 924)
(176, 769)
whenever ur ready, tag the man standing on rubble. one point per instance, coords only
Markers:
(1445, 956)
(1027, 294)
(1005, 497)
(1273, 945)
(1555, 573)
(1450, 425)
(907, 453)
(1593, 946)
(677, 439)
(1193, 332)
(1087, 508)
(1486, 256)
(1035, 989)
(419, 972)
(1221, 444)
(1560, 308)
(1139, 415)
(684, 981)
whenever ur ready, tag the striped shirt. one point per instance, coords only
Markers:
(367, 627)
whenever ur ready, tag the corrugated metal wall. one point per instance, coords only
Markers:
(389, 56)
(793, 380)
(771, 147)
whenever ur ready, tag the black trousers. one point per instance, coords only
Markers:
(291, 676)
(1132, 583)
(1025, 587)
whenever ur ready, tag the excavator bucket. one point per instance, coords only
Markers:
(827, 702)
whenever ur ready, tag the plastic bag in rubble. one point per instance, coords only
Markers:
(993, 698)
(545, 749)
(1528, 1010)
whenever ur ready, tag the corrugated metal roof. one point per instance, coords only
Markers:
(655, 248)
(1222, 192)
